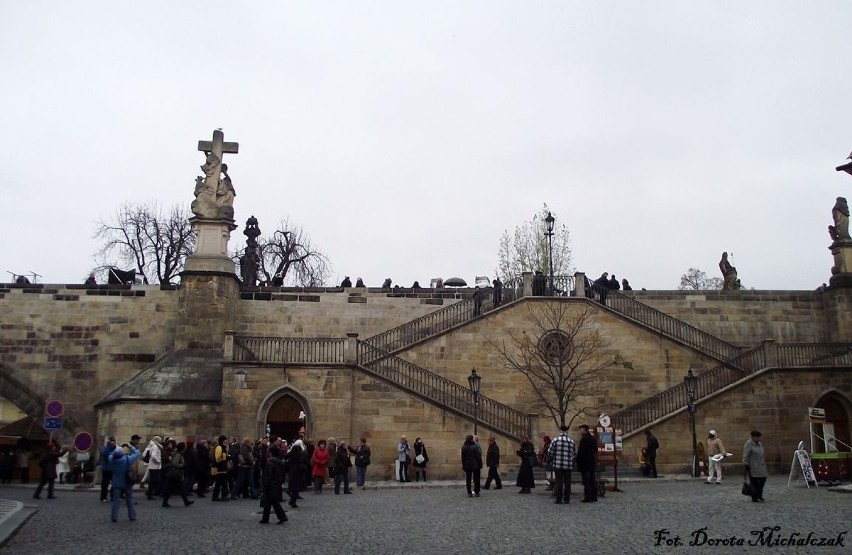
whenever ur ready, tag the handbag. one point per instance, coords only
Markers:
(419, 459)
(130, 477)
(747, 489)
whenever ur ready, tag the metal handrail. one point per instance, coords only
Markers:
(443, 392)
(675, 398)
(666, 324)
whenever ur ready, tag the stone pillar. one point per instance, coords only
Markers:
(228, 355)
(837, 304)
(770, 349)
(527, 290)
(841, 272)
(208, 306)
(580, 284)
(350, 351)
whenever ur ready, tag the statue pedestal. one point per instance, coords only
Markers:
(211, 250)
(841, 272)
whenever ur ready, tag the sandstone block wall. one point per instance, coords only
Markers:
(745, 318)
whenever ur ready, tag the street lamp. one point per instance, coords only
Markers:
(548, 224)
(473, 380)
(690, 380)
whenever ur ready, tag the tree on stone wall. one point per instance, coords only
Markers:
(564, 357)
(154, 242)
(289, 251)
(698, 280)
(526, 249)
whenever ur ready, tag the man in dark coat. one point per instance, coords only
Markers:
(272, 484)
(296, 472)
(492, 461)
(601, 286)
(586, 453)
(202, 467)
(471, 459)
(652, 447)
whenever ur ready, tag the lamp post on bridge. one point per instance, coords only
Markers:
(474, 380)
(690, 380)
(548, 225)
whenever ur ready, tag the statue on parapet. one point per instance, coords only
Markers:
(214, 194)
(729, 274)
(252, 231)
(249, 263)
(840, 213)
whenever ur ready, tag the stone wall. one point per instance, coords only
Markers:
(745, 318)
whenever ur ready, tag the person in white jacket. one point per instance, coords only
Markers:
(153, 452)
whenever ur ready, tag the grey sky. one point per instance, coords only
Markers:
(406, 137)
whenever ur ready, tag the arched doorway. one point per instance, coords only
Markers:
(835, 431)
(283, 418)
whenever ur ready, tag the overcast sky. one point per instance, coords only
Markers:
(406, 137)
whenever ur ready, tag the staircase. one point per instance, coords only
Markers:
(669, 326)
(442, 392)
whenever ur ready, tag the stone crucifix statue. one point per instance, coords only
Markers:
(214, 195)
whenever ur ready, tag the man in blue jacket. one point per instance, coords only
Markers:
(120, 462)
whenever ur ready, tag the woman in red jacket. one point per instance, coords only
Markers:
(319, 465)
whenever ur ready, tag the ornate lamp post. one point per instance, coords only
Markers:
(548, 225)
(473, 380)
(690, 380)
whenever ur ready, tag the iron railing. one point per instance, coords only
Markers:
(443, 392)
(667, 325)
(289, 350)
(814, 354)
(675, 398)
(435, 322)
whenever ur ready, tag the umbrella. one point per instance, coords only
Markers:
(455, 282)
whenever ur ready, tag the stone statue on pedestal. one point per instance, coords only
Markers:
(729, 274)
(214, 191)
(840, 213)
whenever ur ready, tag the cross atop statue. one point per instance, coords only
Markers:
(214, 194)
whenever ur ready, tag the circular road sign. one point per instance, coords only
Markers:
(54, 409)
(83, 441)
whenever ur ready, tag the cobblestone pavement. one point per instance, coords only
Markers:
(646, 517)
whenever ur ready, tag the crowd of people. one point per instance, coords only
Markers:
(229, 469)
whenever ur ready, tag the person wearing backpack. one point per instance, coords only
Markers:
(153, 457)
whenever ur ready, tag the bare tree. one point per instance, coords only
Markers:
(526, 249)
(563, 356)
(288, 251)
(698, 280)
(153, 242)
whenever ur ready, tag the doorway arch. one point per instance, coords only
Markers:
(280, 411)
(837, 422)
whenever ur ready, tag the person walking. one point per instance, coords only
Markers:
(219, 469)
(154, 453)
(48, 470)
(273, 480)
(526, 452)
(403, 455)
(754, 465)
(246, 462)
(122, 488)
(319, 466)
(471, 459)
(652, 446)
(561, 456)
(173, 473)
(296, 471)
(362, 461)
(586, 464)
(421, 458)
(492, 461)
(342, 464)
(716, 449)
(106, 471)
